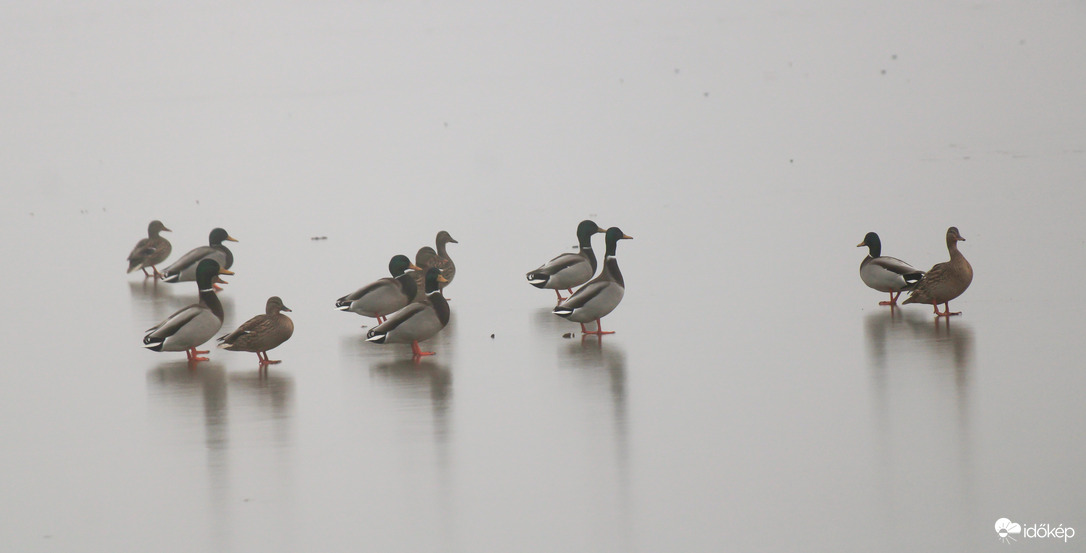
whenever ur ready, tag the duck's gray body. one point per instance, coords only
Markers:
(884, 273)
(384, 296)
(184, 269)
(602, 295)
(152, 250)
(596, 299)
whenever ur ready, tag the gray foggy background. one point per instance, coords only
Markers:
(754, 397)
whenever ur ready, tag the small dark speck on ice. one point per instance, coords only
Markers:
(567, 335)
(318, 237)
(491, 335)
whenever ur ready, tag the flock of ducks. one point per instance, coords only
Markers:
(410, 306)
(940, 284)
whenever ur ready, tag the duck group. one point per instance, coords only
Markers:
(191, 326)
(410, 306)
(943, 282)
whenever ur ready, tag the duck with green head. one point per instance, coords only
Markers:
(193, 325)
(184, 269)
(418, 321)
(884, 273)
(387, 295)
(569, 269)
(601, 295)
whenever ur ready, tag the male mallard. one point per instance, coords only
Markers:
(150, 251)
(184, 269)
(262, 332)
(417, 321)
(886, 274)
(945, 281)
(193, 325)
(569, 269)
(383, 296)
(601, 296)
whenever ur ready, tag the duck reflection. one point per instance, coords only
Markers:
(603, 362)
(920, 372)
(426, 380)
(209, 389)
(602, 366)
(151, 300)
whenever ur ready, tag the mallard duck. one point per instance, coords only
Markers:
(150, 251)
(383, 296)
(886, 274)
(442, 260)
(427, 257)
(262, 332)
(602, 294)
(417, 321)
(184, 269)
(569, 269)
(193, 325)
(945, 281)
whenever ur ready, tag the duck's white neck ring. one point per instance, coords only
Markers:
(207, 290)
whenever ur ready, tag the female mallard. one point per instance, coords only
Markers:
(569, 269)
(383, 296)
(262, 332)
(601, 296)
(945, 281)
(417, 321)
(150, 251)
(886, 274)
(427, 257)
(442, 260)
(193, 325)
(184, 269)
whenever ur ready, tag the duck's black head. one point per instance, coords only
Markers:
(399, 264)
(585, 230)
(207, 272)
(614, 234)
(874, 245)
(218, 235)
(434, 280)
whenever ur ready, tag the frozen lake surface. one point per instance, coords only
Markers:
(754, 396)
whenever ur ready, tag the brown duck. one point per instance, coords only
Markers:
(151, 250)
(262, 332)
(945, 281)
